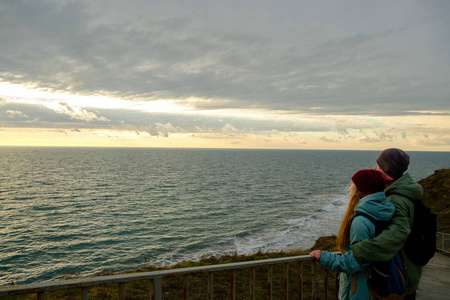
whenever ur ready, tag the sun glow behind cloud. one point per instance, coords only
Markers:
(63, 102)
(31, 94)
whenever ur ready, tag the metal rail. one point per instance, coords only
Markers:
(443, 242)
(156, 277)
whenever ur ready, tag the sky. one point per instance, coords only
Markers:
(363, 75)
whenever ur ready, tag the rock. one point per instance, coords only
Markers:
(436, 195)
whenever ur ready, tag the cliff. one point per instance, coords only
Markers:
(436, 195)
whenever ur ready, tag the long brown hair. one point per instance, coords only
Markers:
(343, 237)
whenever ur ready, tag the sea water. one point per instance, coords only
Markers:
(81, 211)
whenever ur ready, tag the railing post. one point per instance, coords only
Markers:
(252, 283)
(336, 286)
(84, 293)
(300, 280)
(286, 280)
(121, 291)
(185, 287)
(325, 283)
(313, 279)
(210, 286)
(269, 283)
(156, 289)
(40, 296)
(233, 284)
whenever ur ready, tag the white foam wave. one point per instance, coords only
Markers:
(301, 233)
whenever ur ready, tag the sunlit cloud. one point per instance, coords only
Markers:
(16, 113)
(75, 112)
(163, 130)
(15, 93)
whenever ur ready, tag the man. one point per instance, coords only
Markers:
(402, 192)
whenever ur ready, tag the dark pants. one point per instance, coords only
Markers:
(411, 297)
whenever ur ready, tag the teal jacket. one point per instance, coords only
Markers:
(377, 206)
(401, 193)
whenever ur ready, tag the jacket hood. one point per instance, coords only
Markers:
(377, 206)
(405, 186)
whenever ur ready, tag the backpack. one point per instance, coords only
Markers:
(421, 243)
(387, 281)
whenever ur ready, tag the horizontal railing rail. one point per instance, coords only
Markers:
(443, 242)
(156, 277)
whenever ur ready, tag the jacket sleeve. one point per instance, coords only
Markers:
(342, 263)
(361, 229)
(390, 241)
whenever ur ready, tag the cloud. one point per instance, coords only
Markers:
(228, 128)
(203, 129)
(348, 72)
(16, 113)
(160, 50)
(163, 130)
(76, 112)
(61, 131)
(330, 140)
(340, 128)
(377, 136)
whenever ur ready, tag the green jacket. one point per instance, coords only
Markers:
(401, 193)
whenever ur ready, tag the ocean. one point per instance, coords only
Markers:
(80, 211)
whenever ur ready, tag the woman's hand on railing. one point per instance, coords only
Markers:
(316, 254)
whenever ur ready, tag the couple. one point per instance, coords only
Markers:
(356, 238)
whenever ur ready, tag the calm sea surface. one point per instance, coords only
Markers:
(83, 210)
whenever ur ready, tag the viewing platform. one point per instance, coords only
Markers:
(435, 280)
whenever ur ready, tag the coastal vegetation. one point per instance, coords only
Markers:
(436, 195)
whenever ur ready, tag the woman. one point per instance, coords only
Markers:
(367, 196)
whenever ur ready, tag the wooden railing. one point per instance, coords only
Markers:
(156, 277)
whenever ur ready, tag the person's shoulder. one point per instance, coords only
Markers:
(404, 188)
(401, 201)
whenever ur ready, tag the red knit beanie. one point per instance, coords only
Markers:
(369, 181)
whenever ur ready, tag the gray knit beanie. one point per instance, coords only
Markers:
(394, 162)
